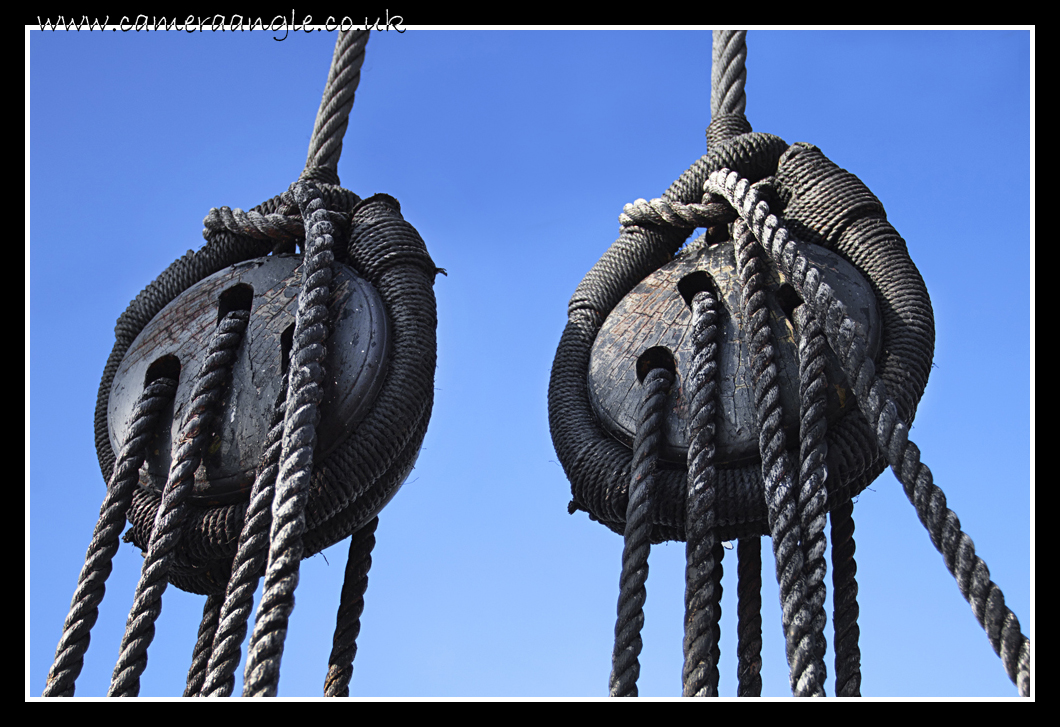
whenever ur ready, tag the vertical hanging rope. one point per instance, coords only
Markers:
(702, 599)
(351, 606)
(625, 663)
(147, 604)
(845, 603)
(728, 75)
(200, 657)
(251, 558)
(262, 674)
(813, 497)
(777, 472)
(749, 617)
(91, 584)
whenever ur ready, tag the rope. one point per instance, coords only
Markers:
(749, 617)
(147, 603)
(262, 674)
(813, 496)
(325, 145)
(702, 601)
(728, 75)
(958, 551)
(200, 657)
(632, 594)
(845, 603)
(351, 606)
(777, 471)
(249, 562)
(91, 584)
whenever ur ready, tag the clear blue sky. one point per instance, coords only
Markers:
(513, 153)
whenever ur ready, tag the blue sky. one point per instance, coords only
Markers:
(513, 153)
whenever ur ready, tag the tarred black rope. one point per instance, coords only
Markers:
(777, 471)
(91, 584)
(749, 617)
(249, 562)
(845, 602)
(813, 496)
(715, 649)
(958, 551)
(194, 433)
(262, 674)
(632, 593)
(702, 600)
(200, 657)
(351, 606)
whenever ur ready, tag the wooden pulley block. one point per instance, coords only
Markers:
(175, 340)
(652, 325)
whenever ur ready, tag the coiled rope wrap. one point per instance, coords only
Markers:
(351, 484)
(823, 204)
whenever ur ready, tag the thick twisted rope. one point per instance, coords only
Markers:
(262, 674)
(813, 497)
(662, 211)
(91, 584)
(147, 604)
(892, 434)
(351, 606)
(250, 561)
(200, 657)
(632, 593)
(728, 75)
(702, 602)
(845, 603)
(777, 471)
(325, 145)
(749, 617)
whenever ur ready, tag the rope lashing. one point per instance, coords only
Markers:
(882, 364)
(312, 484)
